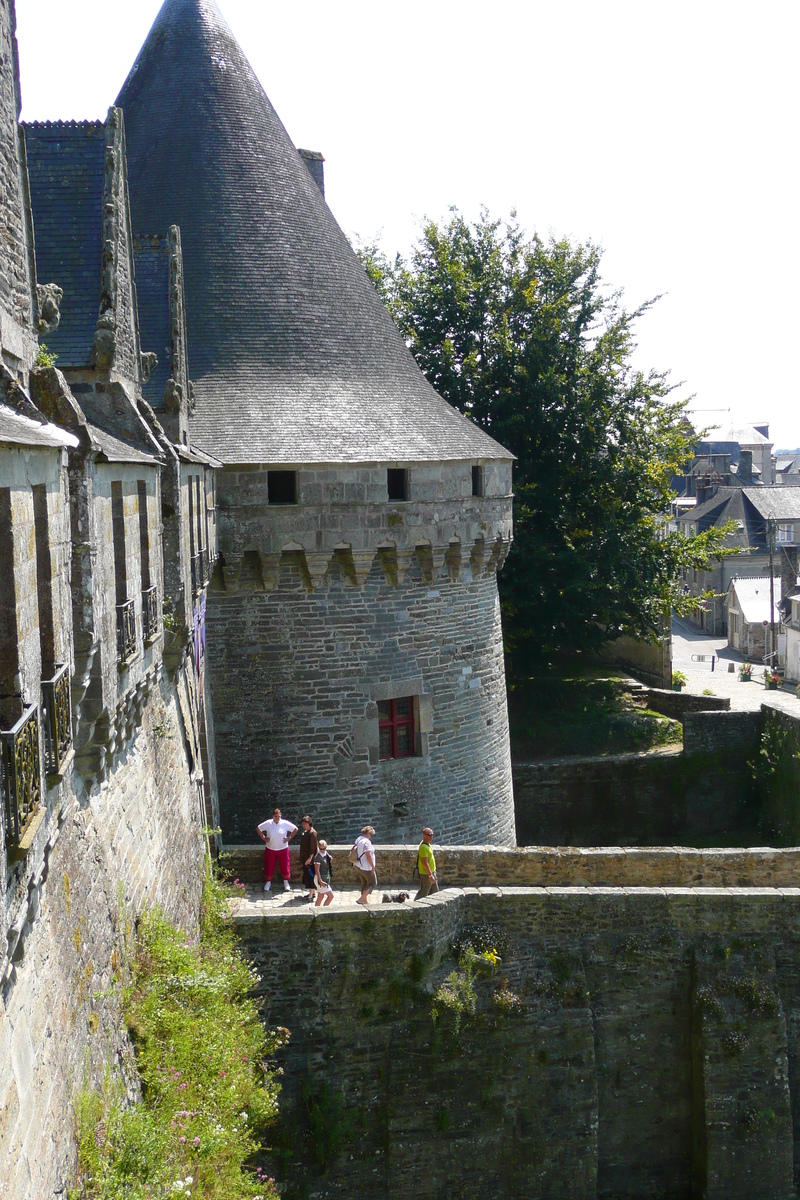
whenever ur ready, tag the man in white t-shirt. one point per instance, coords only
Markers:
(277, 834)
(365, 863)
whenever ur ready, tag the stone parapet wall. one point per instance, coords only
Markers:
(678, 704)
(296, 680)
(606, 866)
(71, 903)
(717, 732)
(631, 1043)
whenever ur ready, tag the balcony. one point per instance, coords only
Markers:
(19, 753)
(57, 719)
(150, 614)
(126, 634)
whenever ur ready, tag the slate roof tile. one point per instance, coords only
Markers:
(17, 430)
(65, 166)
(294, 357)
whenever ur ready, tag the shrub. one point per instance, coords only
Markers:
(44, 358)
(208, 1094)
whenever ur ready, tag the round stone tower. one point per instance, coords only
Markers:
(353, 624)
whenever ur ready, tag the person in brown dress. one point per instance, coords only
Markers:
(308, 848)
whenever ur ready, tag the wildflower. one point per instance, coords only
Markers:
(182, 1140)
(243, 1115)
(196, 1141)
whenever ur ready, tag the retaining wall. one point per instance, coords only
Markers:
(633, 1044)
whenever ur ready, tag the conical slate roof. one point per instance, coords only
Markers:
(294, 357)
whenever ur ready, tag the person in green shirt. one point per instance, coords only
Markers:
(426, 865)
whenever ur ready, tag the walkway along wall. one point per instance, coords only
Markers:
(634, 1044)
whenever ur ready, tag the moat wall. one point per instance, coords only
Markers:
(134, 842)
(646, 1044)
(702, 795)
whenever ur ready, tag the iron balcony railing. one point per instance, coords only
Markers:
(22, 778)
(57, 719)
(150, 613)
(126, 633)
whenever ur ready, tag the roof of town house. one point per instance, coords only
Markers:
(18, 430)
(293, 355)
(727, 504)
(777, 503)
(752, 598)
(65, 167)
(745, 435)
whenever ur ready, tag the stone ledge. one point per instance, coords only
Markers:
(253, 910)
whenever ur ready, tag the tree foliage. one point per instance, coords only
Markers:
(522, 335)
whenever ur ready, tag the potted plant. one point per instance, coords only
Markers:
(745, 672)
(678, 680)
(772, 679)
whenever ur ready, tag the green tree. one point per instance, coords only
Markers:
(523, 336)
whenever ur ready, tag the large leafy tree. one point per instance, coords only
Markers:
(522, 335)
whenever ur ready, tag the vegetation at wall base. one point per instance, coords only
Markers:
(568, 709)
(525, 338)
(776, 775)
(208, 1094)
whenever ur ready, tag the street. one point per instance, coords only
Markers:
(688, 642)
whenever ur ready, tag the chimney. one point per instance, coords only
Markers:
(745, 464)
(704, 489)
(788, 566)
(314, 161)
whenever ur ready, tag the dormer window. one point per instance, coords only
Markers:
(397, 483)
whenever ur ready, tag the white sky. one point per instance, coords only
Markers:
(665, 132)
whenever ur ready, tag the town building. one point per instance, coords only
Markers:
(752, 620)
(764, 531)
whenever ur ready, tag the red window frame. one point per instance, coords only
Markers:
(395, 722)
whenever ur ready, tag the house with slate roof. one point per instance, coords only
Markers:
(757, 515)
(750, 619)
(354, 639)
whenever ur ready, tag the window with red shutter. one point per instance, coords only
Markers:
(396, 725)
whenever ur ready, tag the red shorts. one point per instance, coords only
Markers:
(279, 857)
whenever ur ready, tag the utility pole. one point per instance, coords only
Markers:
(771, 543)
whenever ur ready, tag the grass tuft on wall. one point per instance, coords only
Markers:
(208, 1093)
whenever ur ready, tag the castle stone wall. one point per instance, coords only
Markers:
(70, 902)
(633, 1044)
(17, 333)
(296, 677)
